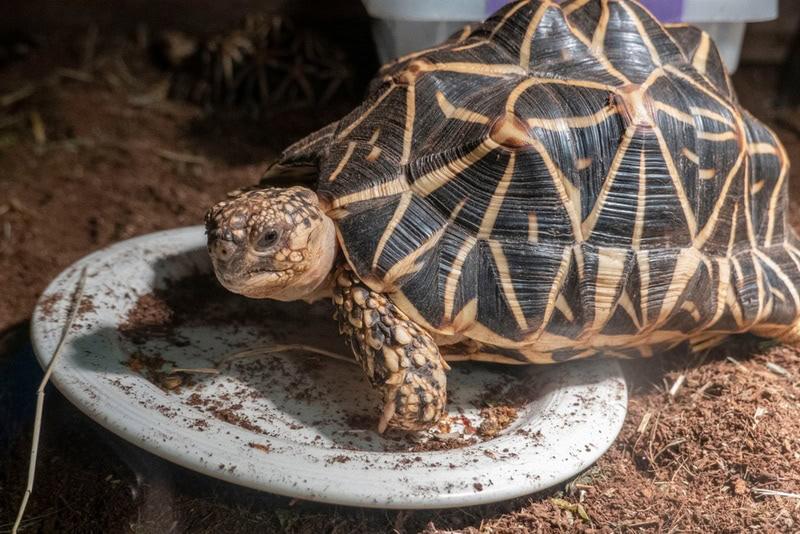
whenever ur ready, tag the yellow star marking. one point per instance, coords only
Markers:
(641, 196)
(386, 189)
(760, 289)
(685, 268)
(400, 210)
(344, 133)
(643, 261)
(510, 13)
(691, 156)
(565, 123)
(717, 137)
(470, 46)
(496, 202)
(691, 308)
(656, 58)
(776, 196)
(700, 61)
(454, 275)
(574, 6)
(408, 264)
(599, 37)
(569, 194)
(375, 153)
(437, 178)
(463, 114)
(723, 289)
(713, 115)
(480, 69)
(375, 135)
(732, 236)
(351, 146)
(497, 28)
(730, 299)
(465, 32)
(755, 149)
(793, 253)
(675, 113)
(601, 58)
(626, 304)
(408, 131)
(533, 228)
(748, 212)
(466, 317)
(506, 285)
(563, 306)
(525, 47)
(677, 183)
(591, 220)
(610, 270)
(555, 289)
(790, 285)
(777, 294)
(702, 88)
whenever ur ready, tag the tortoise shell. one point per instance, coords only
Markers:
(560, 179)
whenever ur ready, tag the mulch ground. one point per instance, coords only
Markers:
(86, 160)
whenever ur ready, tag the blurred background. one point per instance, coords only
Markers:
(125, 117)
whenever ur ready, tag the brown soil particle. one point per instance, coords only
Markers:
(260, 446)
(495, 420)
(440, 445)
(48, 304)
(86, 306)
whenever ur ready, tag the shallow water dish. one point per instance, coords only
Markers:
(295, 423)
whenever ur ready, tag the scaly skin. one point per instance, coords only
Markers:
(397, 356)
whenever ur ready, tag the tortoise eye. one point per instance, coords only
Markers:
(267, 239)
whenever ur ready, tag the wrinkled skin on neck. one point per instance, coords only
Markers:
(273, 243)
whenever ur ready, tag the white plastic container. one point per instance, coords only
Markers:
(402, 26)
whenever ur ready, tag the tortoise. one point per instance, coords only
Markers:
(563, 181)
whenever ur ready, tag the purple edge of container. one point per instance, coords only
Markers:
(664, 10)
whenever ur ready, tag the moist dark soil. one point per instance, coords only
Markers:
(85, 161)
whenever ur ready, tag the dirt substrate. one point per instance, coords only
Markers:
(84, 162)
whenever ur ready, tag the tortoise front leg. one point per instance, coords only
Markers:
(397, 355)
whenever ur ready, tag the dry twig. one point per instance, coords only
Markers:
(181, 157)
(37, 423)
(763, 492)
(255, 352)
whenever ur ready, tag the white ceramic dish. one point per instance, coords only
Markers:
(299, 424)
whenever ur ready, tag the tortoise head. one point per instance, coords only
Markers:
(272, 243)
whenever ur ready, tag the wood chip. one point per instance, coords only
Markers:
(37, 128)
(773, 493)
(181, 157)
(75, 74)
(643, 424)
(738, 365)
(778, 370)
(677, 385)
(15, 96)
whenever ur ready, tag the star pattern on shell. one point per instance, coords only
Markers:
(561, 179)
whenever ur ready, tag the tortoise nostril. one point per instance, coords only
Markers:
(222, 249)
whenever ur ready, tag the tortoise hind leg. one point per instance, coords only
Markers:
(398, 357)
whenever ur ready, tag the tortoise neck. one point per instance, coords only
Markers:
(317, 282)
